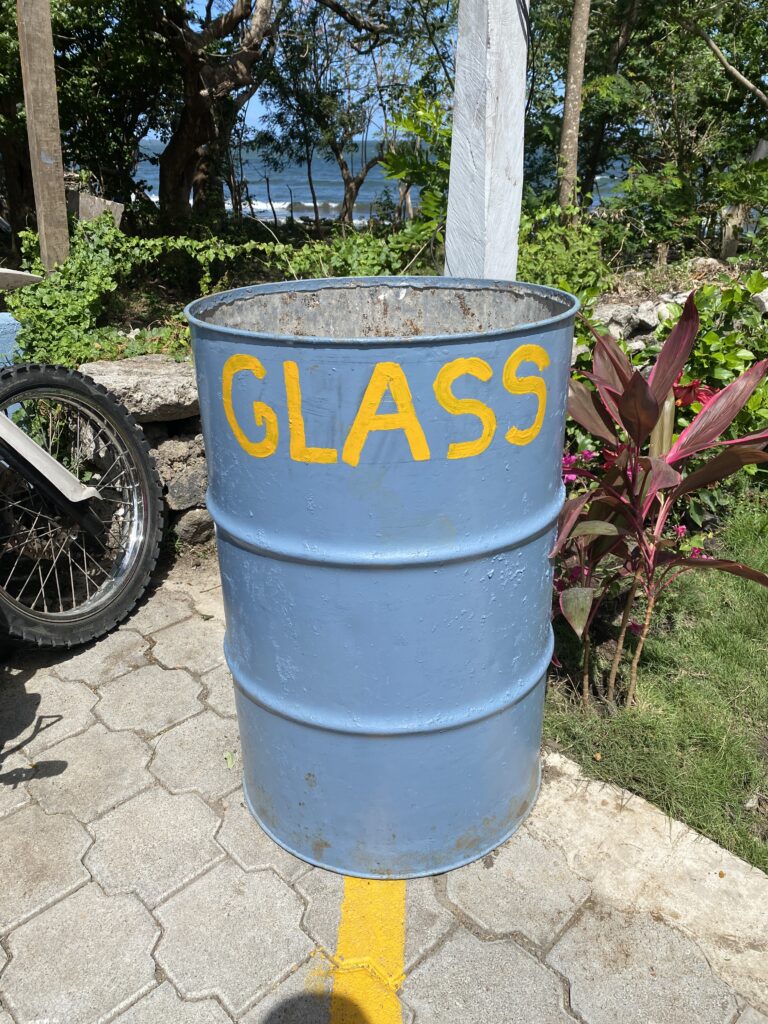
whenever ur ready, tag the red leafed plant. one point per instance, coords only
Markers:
(617, 534)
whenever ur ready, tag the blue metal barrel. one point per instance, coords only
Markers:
(385, 477)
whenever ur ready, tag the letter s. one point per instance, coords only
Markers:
(446, 376)
(527, 386)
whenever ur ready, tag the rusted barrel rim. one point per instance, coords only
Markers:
(196, 309)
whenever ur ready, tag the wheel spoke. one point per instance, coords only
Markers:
(49, 564)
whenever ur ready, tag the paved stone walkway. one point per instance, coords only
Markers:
(135, 887)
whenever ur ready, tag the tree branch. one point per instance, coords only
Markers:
(362, 24)
(729, 69)
(227, 22)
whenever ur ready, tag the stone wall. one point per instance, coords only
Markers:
(162, 394)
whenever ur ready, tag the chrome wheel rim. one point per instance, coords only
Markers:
(50, 567)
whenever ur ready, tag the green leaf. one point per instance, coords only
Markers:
(756, 282)
(576, 604)
(595, 527)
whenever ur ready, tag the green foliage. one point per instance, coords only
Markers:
(422, 158)
(649, 209)
(69, 317)
(732, 336)
(114, 82)
(357, 254)
(695, 744)
(559, 248)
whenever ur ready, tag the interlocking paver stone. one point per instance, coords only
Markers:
(210, 601)
(426, 920)
(197, 649)
(46, 712)
(102, 769)
(39, 862)
(81, 960)
(635, 858)
(250, 846)
(304, 998)
(630, 968)
(15, 771)
(113, 656)
(722, 901)
(231, 934)
(221, 691)
(163, 1006)
(751, 1016)
(149, 699)
(607, 836)
(153, 844)
(162, 608)
(526, 887)
(476, 982)
(190, 757)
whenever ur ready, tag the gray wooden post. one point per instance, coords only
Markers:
(486, 177)
(40, 101)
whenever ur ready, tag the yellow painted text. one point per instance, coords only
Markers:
(527, 386)
(386, 377)
(466, 406)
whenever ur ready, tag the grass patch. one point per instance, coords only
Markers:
(697, 744)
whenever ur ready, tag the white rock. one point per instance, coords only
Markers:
(647, 315)
(151, 387)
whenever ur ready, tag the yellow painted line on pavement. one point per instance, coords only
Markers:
(369, 965)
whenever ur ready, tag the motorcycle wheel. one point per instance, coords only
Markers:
(61, 585)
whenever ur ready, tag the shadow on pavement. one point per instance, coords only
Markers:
(20, 723)
(317, 1009)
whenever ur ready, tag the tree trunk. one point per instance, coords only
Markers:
(179, 160)
(569, 134)
(313, 193)
(352, 184)
(208, 187)
(351, 191)
(595, 148)
(735, 217)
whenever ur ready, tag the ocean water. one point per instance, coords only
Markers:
(290, 192)
(289, 187)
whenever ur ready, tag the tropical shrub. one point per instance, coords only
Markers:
(78, 312)
(617, 537)
(649, 210)
(422, 157)
(73, 314)
(356, 254)
(561, 249)
(732, 335)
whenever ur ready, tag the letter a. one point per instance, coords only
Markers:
(386, 377)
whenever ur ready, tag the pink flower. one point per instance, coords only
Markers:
(681, 531)
(588, 455)
(569, 463)
(697, 552)
(687, 394)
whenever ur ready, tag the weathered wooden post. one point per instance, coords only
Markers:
(486, 178)
(39, 78)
